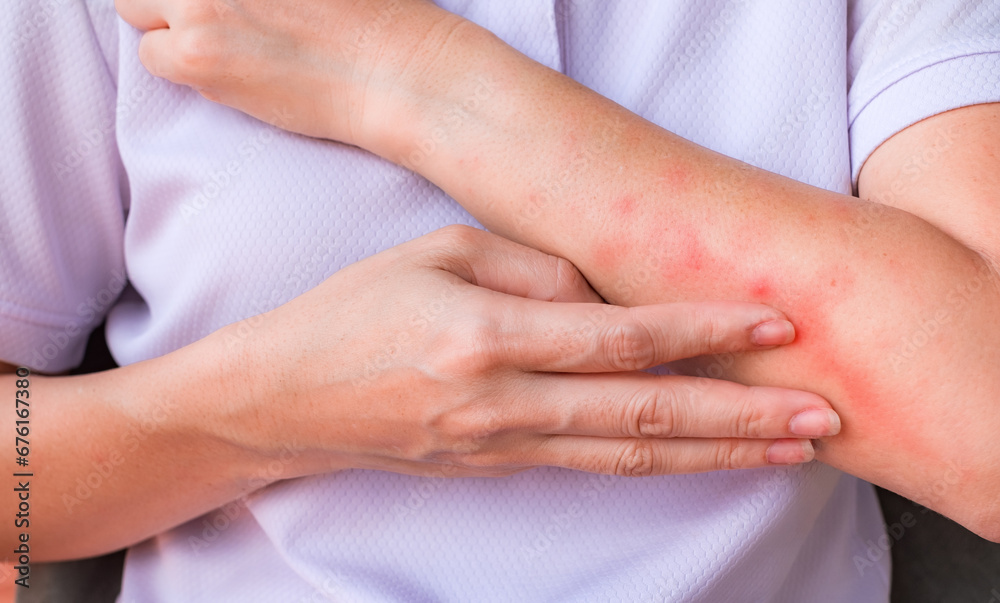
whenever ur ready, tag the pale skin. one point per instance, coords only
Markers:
(896, 296)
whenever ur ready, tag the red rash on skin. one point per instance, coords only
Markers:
(821, 359)
(812, 333)
(853, 389)
(867, 412)
(742, 268)
(683, 257)
(760, 288)
(624, 206)
(691, 251)
(675, 177)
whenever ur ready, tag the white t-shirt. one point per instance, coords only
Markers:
(215, 217)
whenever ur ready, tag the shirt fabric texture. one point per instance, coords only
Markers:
(214, 217)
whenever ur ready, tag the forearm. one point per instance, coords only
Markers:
(122, 455)
(896, 321)
(647, 216)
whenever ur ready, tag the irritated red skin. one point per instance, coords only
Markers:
(624, 206)
(691, 251)
(867, 410)
(809, 303)
(687, 257)
(850, 388)
(813, 333)
(675, 176)
(760, 289)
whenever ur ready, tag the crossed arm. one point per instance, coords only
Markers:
(895, 296)
(858, 279)
(656, 218)
(896, 306)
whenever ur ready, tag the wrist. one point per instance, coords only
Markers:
(204, 397)
(264, 396)
(429, 83)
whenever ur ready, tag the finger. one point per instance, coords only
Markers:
(638, 405)
(437, 469)
(638, 457)
(493, 262)
(160, 56)
(145, 15)
(539, 336)
(154, 53)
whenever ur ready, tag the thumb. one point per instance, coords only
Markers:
(493, 262)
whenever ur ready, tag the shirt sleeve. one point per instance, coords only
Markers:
(62, 189)
(911, 59)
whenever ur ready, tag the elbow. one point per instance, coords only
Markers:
(985, 519)
(973, 501)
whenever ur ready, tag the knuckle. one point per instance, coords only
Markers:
(153, 62)
(714, 333)
(569, 280)
(455, 236)
(628, 346)
(471, 346)
(635, 458)
(653, 412)
(729, 455)
(453, 248)
(750, 421)
(194, 53)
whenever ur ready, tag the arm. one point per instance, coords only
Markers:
(126, 454)
(121, 455)
(859, 278)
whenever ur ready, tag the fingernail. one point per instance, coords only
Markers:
(773, 332)
(815, 423)
(790, 452)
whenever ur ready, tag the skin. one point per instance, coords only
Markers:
(914, 260)
(399, 388)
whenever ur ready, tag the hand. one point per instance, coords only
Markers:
(307, 66)
(466, 351)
